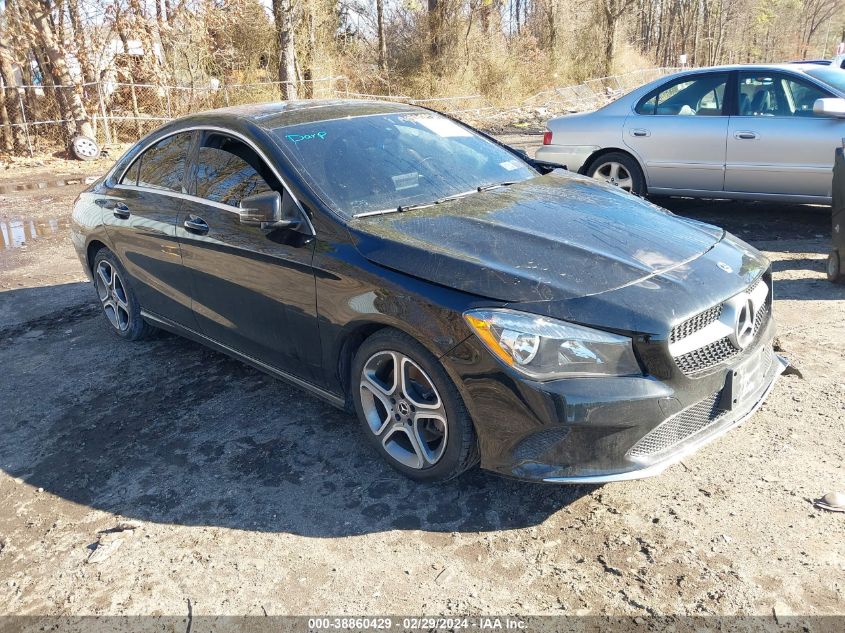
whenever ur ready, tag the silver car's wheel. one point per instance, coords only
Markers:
(113, 296)
(620, 170)
(403, 409)
(615, 174)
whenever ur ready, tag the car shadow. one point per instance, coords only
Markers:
(167, 430)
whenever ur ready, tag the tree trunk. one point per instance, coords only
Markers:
(382, 43)
(434, 28)
(74, 109)
(13, 107)
(283, 15)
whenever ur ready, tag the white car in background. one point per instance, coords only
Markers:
(763, 132)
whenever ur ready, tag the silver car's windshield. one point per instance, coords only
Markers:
(364, 164)
(833, 77)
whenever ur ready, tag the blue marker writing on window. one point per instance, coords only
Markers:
(295, 138)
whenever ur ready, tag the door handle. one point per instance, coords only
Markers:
(746, 136)
(121, 211)
(640, 132)
(196, 225)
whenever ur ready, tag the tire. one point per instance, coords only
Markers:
(419, 424)
(84, 148)
(119, 302)
(834, 268)
(620, 170)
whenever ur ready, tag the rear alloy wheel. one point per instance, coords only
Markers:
(834, 268)
(619, 170)
(410, 409)
(120, 306)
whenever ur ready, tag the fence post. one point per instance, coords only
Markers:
(225, 93)
(103, 113)
(25, 124)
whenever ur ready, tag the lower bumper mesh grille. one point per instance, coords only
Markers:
(679, 427)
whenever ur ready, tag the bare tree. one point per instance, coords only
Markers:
(70, 97)
(283, 15)
(382, 42)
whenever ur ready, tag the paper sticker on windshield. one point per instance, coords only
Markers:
(296, 138)
(406, 181)
(510, 165)
(443, 127)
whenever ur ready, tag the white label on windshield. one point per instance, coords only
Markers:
(406, 181)
(443, 127)
(510, 165)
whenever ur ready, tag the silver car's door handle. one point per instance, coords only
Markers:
(640, 132)
(746, 136)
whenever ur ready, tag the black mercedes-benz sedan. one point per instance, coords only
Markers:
(467, 303)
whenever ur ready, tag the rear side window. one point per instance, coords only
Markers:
(163, 165)
(228, 171)
(701, 95)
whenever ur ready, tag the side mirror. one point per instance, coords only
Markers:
(265, 210)
(834, 107)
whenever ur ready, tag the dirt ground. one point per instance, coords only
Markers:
(252, 497)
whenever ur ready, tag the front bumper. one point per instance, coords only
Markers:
(599, 430)
(692, 442)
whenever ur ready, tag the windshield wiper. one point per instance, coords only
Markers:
(496, 185)
(419, 205)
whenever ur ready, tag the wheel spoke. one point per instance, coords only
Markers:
(437, 423)
(407, 452)
(104, 277)
(614, 171)
(625, 183)
(378, 420)
(418, 390)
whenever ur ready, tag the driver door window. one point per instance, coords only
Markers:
(228, 170)
(769, 95)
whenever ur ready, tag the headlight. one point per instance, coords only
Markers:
(545, 349)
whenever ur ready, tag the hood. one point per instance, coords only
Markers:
(552, 237)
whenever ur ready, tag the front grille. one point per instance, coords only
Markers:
(696, 323)
(703, 358)
(713, 353)
(678, 428)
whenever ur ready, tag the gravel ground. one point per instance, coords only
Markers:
(247, 496)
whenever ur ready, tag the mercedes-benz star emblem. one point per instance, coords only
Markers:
(725, 267)
(744, 326)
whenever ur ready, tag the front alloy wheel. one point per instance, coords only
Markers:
(410, 409)
(403, 409)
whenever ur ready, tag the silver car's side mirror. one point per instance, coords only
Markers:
(834, 107)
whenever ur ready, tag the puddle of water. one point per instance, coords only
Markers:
(46, 184)
(19, 233)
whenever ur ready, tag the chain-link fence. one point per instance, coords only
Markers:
(123, 112)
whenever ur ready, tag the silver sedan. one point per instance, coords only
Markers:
(763, 132)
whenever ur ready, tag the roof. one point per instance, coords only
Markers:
(286, 113)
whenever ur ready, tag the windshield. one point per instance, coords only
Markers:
(386, 161)
(831, 76)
